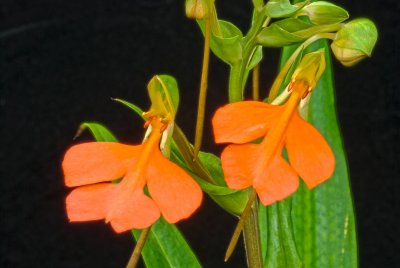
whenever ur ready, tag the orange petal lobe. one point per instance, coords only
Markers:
(174, 191)
(94, 162)
(238, 163)
(133, 211)
(88, 203)
(244, 121)
(276, 181)
(309, 153)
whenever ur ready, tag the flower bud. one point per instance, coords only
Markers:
(196, 9)
(322, 12)
(355, 41)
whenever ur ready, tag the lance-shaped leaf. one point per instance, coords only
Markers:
(226, 45)
(165, 245)
(283, 8)
(278, 238)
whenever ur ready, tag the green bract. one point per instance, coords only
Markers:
(282, 8)
(292, 30)
(226, 46)
(322, 12)
(355, 41)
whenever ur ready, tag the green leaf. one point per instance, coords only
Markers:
(282, 8)
(280, 246)
(323, 218)
(165, 245)
(226, 46)
(99, 132)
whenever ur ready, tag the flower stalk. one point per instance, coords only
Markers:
(239, 71)
(256, 82)
(134, 259)
(203, 90)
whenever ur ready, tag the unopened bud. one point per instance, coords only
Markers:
(197, 9)
(355, 41)
(322, 12)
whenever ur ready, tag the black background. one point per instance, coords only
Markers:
(61, 61)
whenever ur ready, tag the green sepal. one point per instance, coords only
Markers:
(99, 132)
(164, 95)
(131, 106)
(322, 12)
(283, 8)
(226, 46)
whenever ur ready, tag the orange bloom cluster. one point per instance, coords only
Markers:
(262, 165)
(92, 166)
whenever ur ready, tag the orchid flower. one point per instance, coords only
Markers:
(262, 165)
(91, 167)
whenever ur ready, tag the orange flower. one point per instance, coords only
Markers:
(261, 165)
(92, 166)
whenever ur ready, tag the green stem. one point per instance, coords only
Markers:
(251, 234)
(235, 87)
(238, 75)
(133, 261)
(256, 84)
(203, 90)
